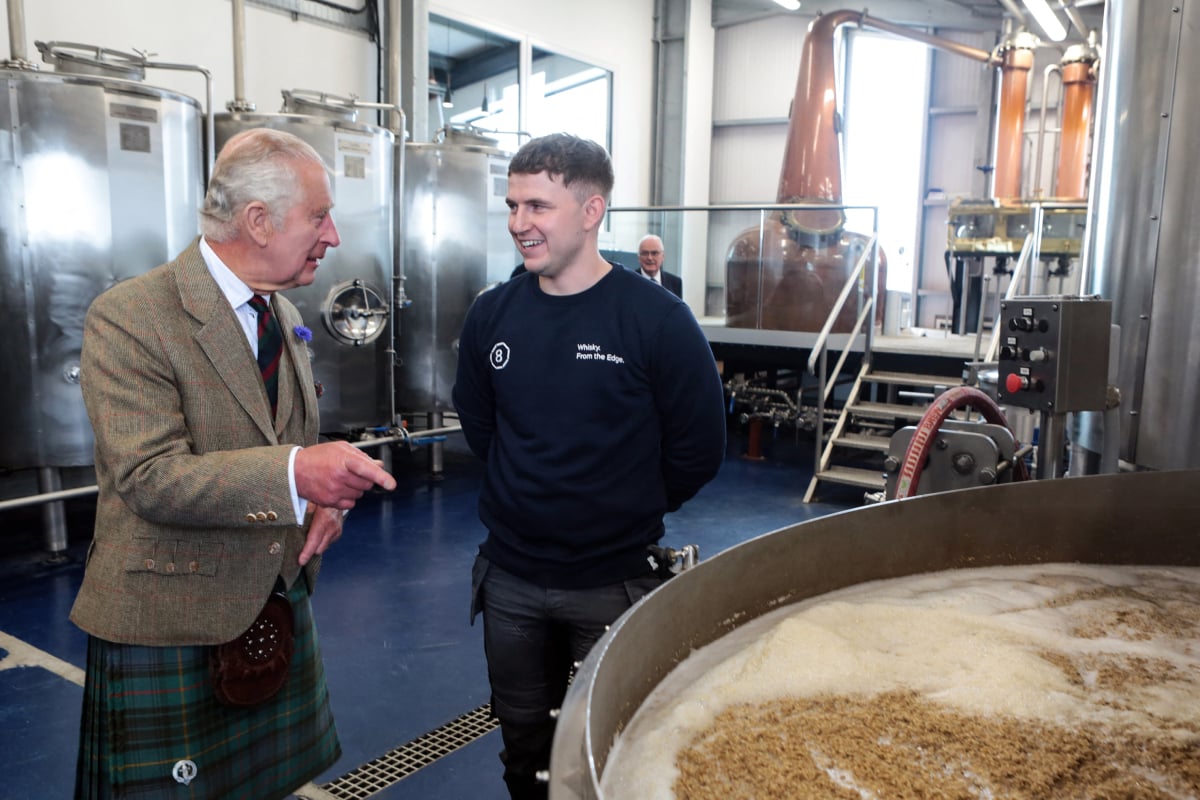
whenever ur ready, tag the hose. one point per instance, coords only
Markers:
(931, 421)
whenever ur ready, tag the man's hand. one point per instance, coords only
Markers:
(324, 530)
(335, 474)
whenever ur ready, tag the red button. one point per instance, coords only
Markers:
(1014, 383)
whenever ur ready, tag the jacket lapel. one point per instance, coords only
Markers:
(296, 392)
(222, 339)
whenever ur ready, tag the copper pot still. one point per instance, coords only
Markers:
(1103, 519)
(787, 273)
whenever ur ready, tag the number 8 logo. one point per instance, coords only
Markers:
(499, 355)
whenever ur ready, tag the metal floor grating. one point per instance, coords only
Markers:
(397, 764)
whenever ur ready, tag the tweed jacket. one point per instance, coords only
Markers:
(194, 519)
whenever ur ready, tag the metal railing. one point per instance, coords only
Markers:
(818, 358)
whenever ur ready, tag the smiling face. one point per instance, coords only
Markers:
(550, 223)
(650, 255)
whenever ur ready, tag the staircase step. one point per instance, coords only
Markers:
(862, 441)
(913, 379)
(866, 478)
(887, 410)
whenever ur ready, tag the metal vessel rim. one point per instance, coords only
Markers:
(311, 119)
(111, 84)
(469, 148)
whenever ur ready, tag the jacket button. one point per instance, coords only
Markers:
(149, 563)
(194, 566)
(261, 516)
(170, 567)
(274, 548)
(251, 518)
(272, 516)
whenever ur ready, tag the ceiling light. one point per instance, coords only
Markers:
(790, 5)
(1047, 20)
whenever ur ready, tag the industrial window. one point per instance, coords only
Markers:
(885, 98)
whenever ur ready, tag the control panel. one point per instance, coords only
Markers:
(1053, 353)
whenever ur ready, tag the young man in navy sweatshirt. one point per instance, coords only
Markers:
(595, 400)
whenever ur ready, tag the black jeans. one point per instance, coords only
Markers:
(532, 636)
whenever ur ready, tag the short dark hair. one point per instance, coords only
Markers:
(582, 163)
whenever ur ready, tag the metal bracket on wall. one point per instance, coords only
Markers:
(354, 17)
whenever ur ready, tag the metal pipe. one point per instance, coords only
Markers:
(16, 33)
(87, 491)
(392, 34)
(406, 437)
(1017, 273)
(399, 299)
(436, 451)
(1012, 8)
(209, 131)
(1050, 446)
(948, 45)
(54, 515)
(1068, 7)
(1110, 448)
(47, 497)
(1041, 135)
(1035, 254)
(1020, 453)
(239, 102)
(987, 281)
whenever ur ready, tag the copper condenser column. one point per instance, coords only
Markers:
(1079, 92)
(1010, 126)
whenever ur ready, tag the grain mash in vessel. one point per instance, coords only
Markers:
(1055, 680)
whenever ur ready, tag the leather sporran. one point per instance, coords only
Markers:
(253, 667)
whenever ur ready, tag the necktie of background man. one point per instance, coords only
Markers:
(270, 348)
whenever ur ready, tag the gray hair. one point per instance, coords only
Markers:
(255, 165)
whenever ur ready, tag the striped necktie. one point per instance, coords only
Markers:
(270, 348)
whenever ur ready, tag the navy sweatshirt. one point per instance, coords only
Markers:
(596, 413)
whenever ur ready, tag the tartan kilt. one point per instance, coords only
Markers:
(145, 709)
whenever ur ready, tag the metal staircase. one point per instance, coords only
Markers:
(864, 427)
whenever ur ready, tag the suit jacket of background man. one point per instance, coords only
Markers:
(672, 283)
(194, 519)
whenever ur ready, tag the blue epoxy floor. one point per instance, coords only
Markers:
(391, 610)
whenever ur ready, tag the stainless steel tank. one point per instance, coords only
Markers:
(1098, 519)
(348, 305)
(100, 180)
(456, 243)
(1141, 249)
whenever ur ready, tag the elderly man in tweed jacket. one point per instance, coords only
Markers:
(213, 494)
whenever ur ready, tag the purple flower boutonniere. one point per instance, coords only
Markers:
(302, 333)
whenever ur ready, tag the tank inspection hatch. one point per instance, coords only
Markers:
(355, 313)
